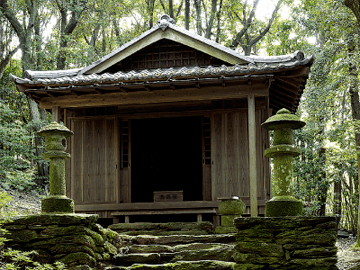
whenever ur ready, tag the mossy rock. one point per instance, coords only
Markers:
(78, 258)
(23, 236)
(98, 257)
(315, 252)
(283, 208)
(249, 266)
(43, 257)
(255, 233)
(262, 249)
(221, 253)
(129, 259)
(149, 248)
(55, 219)
(203, 246)
(52, 232)
(110, 248)
(14, 227)
(225, 230)
(72, 239)
(232, 207)
(197, 265)
(323, 239)
(71, 248)
(182, 239)
(164, 233)
(315, 263)
(204, 226)
(255, 258)
(114, 238)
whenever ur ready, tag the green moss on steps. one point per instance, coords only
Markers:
(78, 259)
(225, 230)
(198, 265)
(54, 219)
(71, 248)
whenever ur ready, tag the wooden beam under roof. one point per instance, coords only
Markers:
(145, 97)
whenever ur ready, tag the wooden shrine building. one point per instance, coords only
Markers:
(168, 123)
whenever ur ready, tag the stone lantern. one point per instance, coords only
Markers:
(55, 146)
(283, 203)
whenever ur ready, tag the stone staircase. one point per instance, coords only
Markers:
(178, 251)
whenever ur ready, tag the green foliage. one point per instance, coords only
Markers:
(16, 153)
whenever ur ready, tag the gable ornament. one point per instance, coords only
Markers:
(164, 21)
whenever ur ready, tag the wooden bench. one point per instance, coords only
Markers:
(128, 213)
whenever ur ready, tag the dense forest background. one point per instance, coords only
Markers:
(63, 34)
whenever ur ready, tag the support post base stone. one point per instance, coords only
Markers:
(57, 204)
(283, 208)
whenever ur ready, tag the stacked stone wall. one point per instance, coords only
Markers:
(74, 239)
(286, 243)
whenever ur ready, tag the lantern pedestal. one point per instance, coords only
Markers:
(283, 203)
(55, 146)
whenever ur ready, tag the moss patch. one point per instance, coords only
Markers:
(78, 259)
(232, 207)
(22, 236)
(57, 204)
(283, 208)
(55, 219)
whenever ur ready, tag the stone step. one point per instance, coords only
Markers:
(163, 233)
(180, 265)
(191, 228)
(169, 249)
(202, 246)
(148, 249)
(173, 240)
(215, 252)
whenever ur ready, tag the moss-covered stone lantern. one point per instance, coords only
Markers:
(283, 203)
(229, 209)
(55, 146)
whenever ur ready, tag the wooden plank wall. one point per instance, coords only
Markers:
(95, 159)
(230, 155)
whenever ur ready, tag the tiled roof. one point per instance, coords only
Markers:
(72, 77)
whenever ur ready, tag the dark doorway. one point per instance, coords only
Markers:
(166, 155)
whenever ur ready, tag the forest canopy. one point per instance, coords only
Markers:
(59, 34)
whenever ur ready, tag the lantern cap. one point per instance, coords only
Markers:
(55, 128)
(283, 119)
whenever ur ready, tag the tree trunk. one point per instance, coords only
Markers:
(150, 12)
(67, 27)
(251, 42)
(354, 5)
(187, 14)
(171, 9)
(218, 28)
(324, 185)
(211, 19)
(197, 5)
(355, 109)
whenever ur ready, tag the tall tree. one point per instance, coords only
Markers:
(70, 13)
(246, 38)
(353, 49)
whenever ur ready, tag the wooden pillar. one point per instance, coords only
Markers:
(55, 111)
(252, 156)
